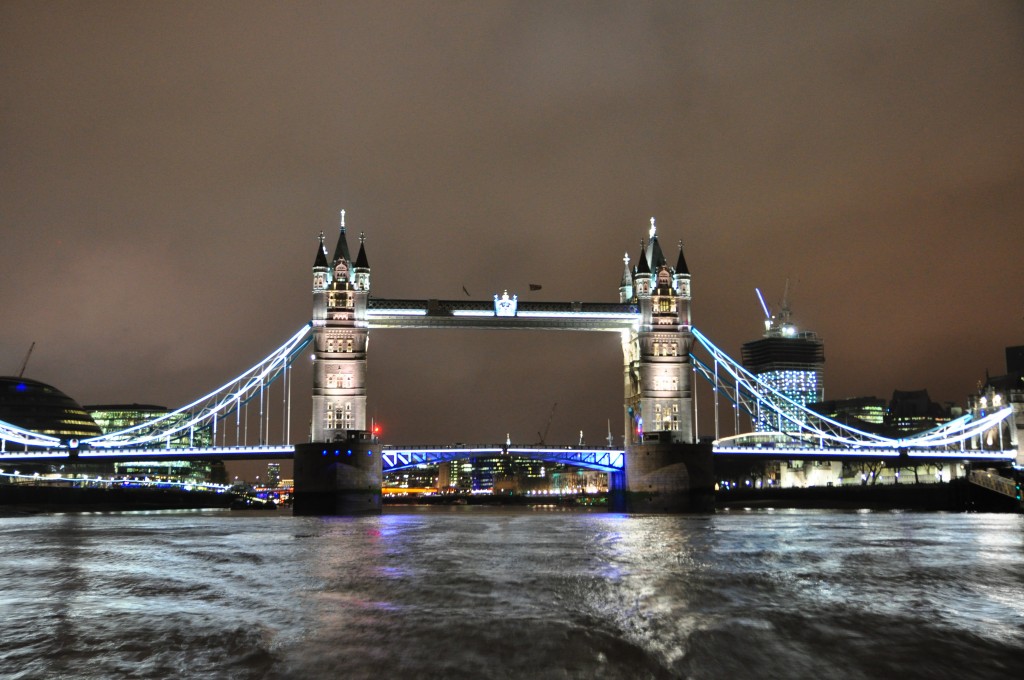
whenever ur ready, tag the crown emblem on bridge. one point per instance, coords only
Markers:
(505, 306)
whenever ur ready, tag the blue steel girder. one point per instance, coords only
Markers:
(602, 460)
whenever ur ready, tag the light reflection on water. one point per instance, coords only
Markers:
(483, 592)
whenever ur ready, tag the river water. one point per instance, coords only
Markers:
(476, 592)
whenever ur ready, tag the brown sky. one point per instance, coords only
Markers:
(165, 169)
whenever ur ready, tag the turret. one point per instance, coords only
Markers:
(342, 261)
(321, 274)
(681, 276)
(626, 284)
(655, 258)
(362, 269)
(642, 275)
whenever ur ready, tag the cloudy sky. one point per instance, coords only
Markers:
(165, 169)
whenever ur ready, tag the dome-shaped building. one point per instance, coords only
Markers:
(42, 408)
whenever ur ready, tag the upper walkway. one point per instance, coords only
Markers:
(502, 312)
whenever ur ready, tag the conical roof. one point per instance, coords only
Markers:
(361, 261)
(341, 250)
(642, 267)
(321, 254)
(627, 278)
(656, 257)
(681, 267)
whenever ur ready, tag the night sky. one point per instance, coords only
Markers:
(165, 169)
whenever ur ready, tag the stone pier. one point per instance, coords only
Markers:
(669, 477)
(338, 478)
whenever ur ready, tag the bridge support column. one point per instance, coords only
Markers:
(338, 478)
(666, 476)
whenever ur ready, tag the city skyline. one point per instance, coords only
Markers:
(167, 171)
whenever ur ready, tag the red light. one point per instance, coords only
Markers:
(376, 429)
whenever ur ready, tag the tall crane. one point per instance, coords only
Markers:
(547, 427)
(25, 362)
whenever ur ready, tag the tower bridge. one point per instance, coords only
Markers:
(664, 461)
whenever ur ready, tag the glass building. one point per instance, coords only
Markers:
(116, 417)
(791, 362)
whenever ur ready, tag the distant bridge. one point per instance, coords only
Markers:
(604, 460)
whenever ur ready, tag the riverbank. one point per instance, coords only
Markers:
(956, 496)
(31, 498)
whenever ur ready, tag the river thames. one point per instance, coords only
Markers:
(478, 592)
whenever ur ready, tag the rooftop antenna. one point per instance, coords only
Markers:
(25, 362)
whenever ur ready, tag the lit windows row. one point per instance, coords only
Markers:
(339, 344)
(666, 349)
(344, 381)
(666, 418)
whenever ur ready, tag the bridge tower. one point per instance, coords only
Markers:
(341, 288)
(656, 355)
(339, 471)
(666, 470)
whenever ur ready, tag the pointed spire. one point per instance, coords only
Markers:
(321, 254)
(627, 278)
(642, 267)
(361, 261)
(681, 267)
(341, 251)
(655, 258)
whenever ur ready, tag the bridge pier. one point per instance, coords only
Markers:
(338, 478)
(666, 476)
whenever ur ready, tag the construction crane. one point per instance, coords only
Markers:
(25, 362)
(547, 427)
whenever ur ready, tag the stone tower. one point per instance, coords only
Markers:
(656, 355)
(341, 288)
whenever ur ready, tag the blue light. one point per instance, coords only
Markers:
(21, 387)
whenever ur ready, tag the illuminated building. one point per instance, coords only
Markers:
(1007, 390)
(116, 417)
(865, 413)
(913, 411)
(43, 408)
(273, 475)
(791, 362)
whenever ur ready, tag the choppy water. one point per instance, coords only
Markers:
(484, 593)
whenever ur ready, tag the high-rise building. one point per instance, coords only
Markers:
(791, 362)
(117, 417)
(273, 475)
